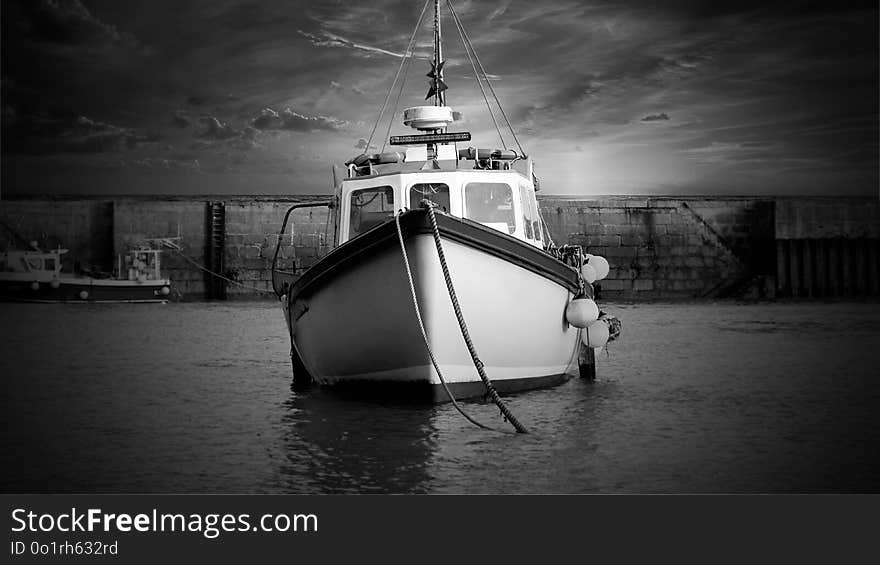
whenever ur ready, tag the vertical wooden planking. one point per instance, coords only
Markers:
(782, 278)
(821, 267)
(794, 266)
(834, 280)
(873, 249)
(861, 281)
(846, 267)
(807, 261)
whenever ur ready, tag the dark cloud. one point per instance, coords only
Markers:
(290, 120)
(181, 119)
(218, 135)
(159, 163)
(217, 129)
(795, 80)
(47, 134)
(69, 21)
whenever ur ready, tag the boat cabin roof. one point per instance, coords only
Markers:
(501, 197)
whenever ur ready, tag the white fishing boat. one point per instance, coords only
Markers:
(35, 275)
(443, 281)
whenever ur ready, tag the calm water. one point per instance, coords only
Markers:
(196, 398)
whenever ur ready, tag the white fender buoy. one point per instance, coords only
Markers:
(83, 294)
(596, 335)
(589, 273)
(35, 285)
(55, 283)
(165, 291)
(601, 265)
(581, 312)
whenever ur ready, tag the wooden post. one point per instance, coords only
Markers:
(846, 267)
(587, 362)
(807, 253)
(821, 267)
(874, 266)
(834, 280)
(794, 265)
(782, 278)
(861, 252)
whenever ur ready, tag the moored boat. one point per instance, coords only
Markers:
(443, 273)
(36, 276)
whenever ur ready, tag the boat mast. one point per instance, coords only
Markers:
(438, 54)
(436, 74)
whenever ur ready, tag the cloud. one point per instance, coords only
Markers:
(655, 117)
(44, 134)
(218, 135)
(217, 129)
(327, 39)
(266, 119)
(290, 120)
(70, 22)
(181, 119)
(156, 163)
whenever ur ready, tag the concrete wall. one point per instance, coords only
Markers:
(660, 247)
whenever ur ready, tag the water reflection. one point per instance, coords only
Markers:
(336, 446)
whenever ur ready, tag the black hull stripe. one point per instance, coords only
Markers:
(466, 232)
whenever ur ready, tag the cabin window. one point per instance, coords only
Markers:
(527, 211)
(369, 208)
(49, 263)
(436, 192)
(490, 203)
(35, 263)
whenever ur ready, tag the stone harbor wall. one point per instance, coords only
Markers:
(658, 247)
(672, 248)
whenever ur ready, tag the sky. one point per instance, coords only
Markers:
(264, 96)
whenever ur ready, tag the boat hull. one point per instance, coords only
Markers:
(354, 327)
(73, 289)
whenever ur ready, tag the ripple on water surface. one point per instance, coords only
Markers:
(196, 398)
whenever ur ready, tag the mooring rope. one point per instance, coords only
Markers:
(490, 389)
(415, 301)
(467, 39)
(219, 276)
(396, 76)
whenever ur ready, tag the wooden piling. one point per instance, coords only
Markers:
(861, 278)
(873, 251)
(821, 267)
(846, 267)
(808, 262)
(783, 280)
(834, 279)
(794, 266)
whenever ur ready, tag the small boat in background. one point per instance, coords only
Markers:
(35, 276)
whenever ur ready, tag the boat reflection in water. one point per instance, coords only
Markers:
(355, 447)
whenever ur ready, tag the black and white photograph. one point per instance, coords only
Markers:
(439, 247)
